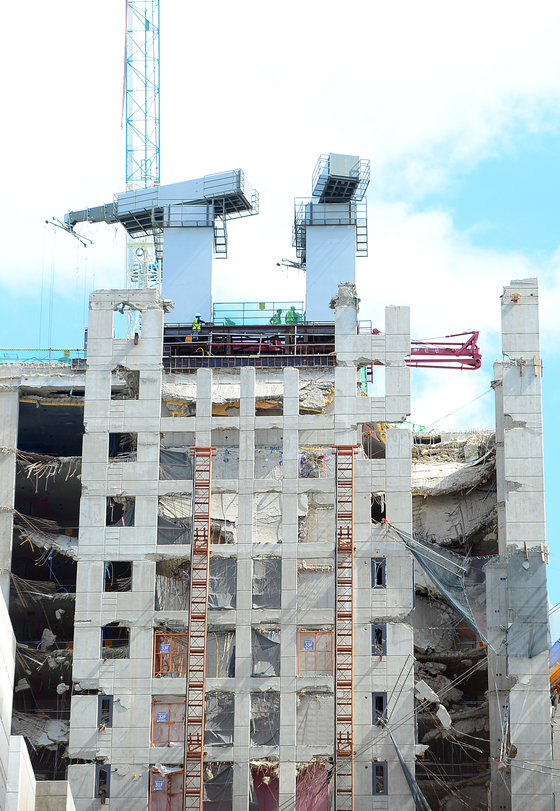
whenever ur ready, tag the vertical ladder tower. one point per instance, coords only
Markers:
(198, 623)
(344, 629)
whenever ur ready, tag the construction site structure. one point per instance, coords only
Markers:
(141, 97)
(237, 580)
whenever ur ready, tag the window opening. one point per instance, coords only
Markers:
(166, 790)
(315, 653)
(379, 777)
(102, 782)
(378, 640)
(379, 707)
(120, 511)
(168, 722)
(378, 573)
(115, 641)
(117, 576)
(123, 445)
(105, 712)
(170, 654)
(128, 390)
(267, 580)
(378, 507)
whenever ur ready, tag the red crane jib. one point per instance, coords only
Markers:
(446, 354)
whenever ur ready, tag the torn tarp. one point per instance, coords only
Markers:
(218, 719)
(265, 650)
(265, 719)
(460, 580)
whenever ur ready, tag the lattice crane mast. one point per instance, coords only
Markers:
(141, 110)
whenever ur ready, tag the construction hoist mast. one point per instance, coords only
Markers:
(198, 623)
(141, 113)
(344, 629)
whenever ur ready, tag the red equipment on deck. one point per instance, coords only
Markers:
(448, 354)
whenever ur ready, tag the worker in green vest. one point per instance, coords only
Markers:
(196, 326)
(292, 317)
(277, 317)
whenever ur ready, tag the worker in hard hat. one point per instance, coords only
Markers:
(277, 317)
(292, 317)
(196, 326)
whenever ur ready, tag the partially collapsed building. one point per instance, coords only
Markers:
(237, 580)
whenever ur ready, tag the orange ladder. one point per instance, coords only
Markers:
(344, 628)
(198, 622)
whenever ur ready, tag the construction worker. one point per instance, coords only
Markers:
(196, 326)
(277, 317)
(292, 317)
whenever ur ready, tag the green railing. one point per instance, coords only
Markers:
(48, 356)
(232, 314)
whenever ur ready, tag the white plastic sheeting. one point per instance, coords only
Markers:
(265, 651)
(222, 588)
(315, 719)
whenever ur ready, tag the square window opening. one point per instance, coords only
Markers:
(123, 446)
(117, 575)
(125, 383)
(115, 641)
(120, 511)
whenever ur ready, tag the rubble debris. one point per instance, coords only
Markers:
(41, 731)
(424, 692)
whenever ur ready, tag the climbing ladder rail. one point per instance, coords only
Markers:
(198, 622)
(344, 631)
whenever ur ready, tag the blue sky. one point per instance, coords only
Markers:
(458, 108)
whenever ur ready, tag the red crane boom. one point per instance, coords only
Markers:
(448, 354)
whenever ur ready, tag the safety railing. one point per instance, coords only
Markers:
(48, 356)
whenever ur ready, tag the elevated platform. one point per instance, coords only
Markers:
(340, 178)
(231, 346)
(189, 203)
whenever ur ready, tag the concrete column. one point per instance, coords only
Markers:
(9, 406)
(241, 748)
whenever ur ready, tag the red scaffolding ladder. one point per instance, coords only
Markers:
(344, 628)
(198, 621)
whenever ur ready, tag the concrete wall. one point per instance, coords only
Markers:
(53, 795)
(331, 259)
(21, 780)
(7, 659)
(187, 272)
(518, 685)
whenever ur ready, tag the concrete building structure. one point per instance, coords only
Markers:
(375, 605)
